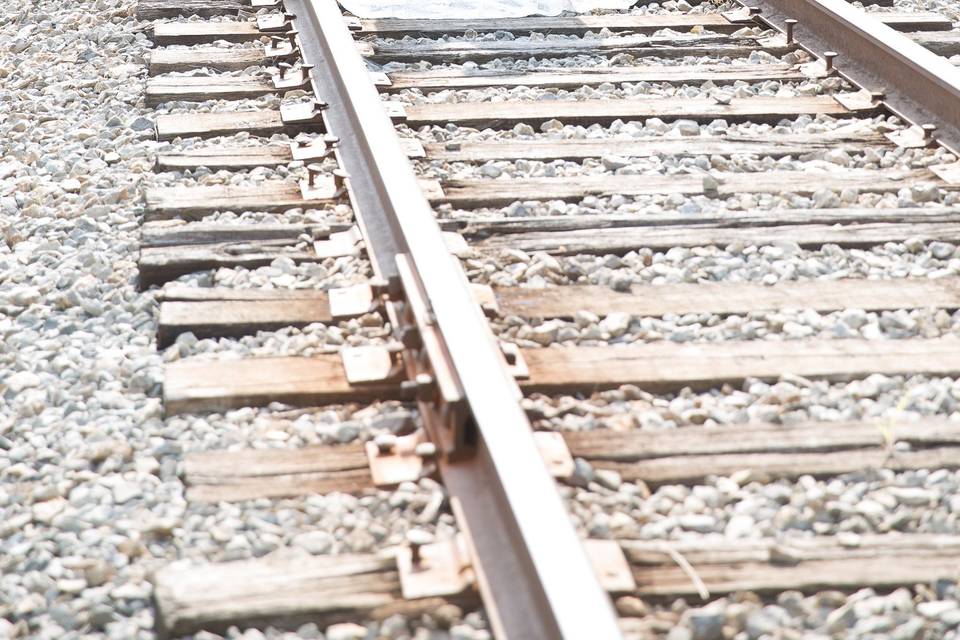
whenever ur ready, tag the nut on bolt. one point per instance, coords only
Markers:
(340, 178)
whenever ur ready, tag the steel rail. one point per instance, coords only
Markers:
(534, 575)
(917, 84)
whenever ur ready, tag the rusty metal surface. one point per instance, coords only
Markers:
(918, 84)
(533, 572)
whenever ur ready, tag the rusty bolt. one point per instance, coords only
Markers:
(754, 11)
(313, 172)
(291, 37)
(829, 56)
(791, 25)
(928, 131)
(340, 179)
(283, 68)
(417, 538)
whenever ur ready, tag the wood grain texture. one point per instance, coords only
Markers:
(209, 125)
(231, 158)
(155, 9)
(393, 27)
(199, 89)
(660, 46)
(271, 195)
(183, 293)
(318, 380)
(485, 226)
(777, 465)
(486, 192)
(767, 451)
(731, 297)
(645, 24)
(161, 264)
(807, 564)
(624, 240)
(249, 474)
(268, 155)
(508, 114)
(284, 589)
(222, 312)
(175, 233)
(773, 145)
(234, 318)
(575, 77)
(194, 385)
(662, 367)
(287, 589)
(213, 58)
(165, 33)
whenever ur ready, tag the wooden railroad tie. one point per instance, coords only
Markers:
(209, 385)
(168, 252)
(155, 9)
(189, 33)
(287, 589)
(767, 452)
(220, 312)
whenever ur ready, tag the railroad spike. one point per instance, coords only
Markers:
(829, 57)
(790, 24)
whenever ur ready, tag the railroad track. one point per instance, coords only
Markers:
(531, 216)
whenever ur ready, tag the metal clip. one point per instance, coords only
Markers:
(556, 455)
(380, 79)
(949, 173)
(370, 364)
(396, 111)
(610, 565)
(282, 47)
(515, 362)
(339, 244)
(913, 138)
(313, 148)
(275, 22)
(303, 113)
(435, 570)
(743, 15)
(486, 298)
(350, 302)
(396, 459)
(318, 185)
(288, 78)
